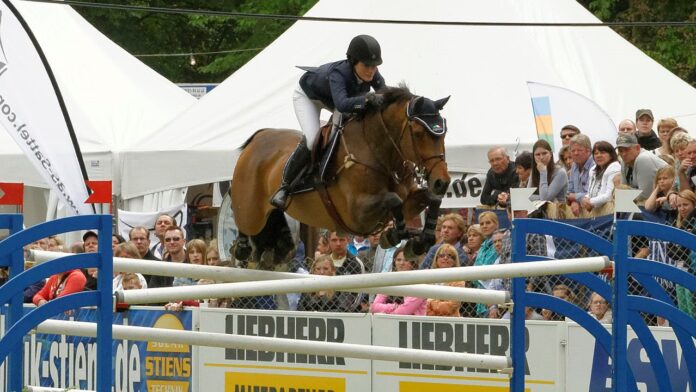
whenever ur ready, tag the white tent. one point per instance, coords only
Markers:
(114, 100)
(485, 69)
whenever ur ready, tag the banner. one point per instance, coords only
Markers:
(128, 220)
(61, 361)
(555, 107)
(32, 111)
(464, 190)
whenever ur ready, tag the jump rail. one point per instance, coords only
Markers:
(353, 282)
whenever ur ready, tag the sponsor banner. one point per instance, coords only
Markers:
(61, 361)
(464, 190)
(27, 87)
(590, 363)
(251, 370)
(545, 359)
(198, 90)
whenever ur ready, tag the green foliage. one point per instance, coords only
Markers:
(673, 47)
(156, 33)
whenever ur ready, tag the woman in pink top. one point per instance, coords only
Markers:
(400, 305)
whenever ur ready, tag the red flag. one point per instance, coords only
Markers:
(14, 193)
(101, 192)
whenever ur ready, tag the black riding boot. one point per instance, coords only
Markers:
(297, 160)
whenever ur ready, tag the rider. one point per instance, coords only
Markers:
(343, 86)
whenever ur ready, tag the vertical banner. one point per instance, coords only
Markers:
(555, 107)
(32, 111)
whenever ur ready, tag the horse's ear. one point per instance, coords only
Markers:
(440, 103)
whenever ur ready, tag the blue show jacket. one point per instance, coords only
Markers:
(337, 87)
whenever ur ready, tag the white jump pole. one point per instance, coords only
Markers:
(221, 340)
(228, 274)
(356, 282)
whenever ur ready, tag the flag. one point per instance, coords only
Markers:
(555, 107)
(101, 192)
(34, 114)
(13, 193)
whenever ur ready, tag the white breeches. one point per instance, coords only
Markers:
(307, 112)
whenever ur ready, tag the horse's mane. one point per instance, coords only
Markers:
(392, 95)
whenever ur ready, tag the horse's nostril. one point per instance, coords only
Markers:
(440, 187)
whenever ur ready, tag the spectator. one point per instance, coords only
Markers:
(323, 247)
(452, 230)
(523, 168)
(140, 237)
(664, 181)
(639, 166)
(677, 132)
(131, 281)
(212, 256)
(500, 238)
(347, 264)
(445, 257)
(664, 130)
(400, 305)
(568, 132)
(162, 223)
(175, 253)
(129, 251)
(42, 243)
(578, 182)
(499, 179)
(357, 244)
(686, 220)
(195, 254)
(90, 241)
(627, 126)
(115, 240)
(564, 160)
(474, 239)
(599, 309)
(367, 255)
(55, 244)
(678, 142)
(687, 167)
(325, 300)
(551, 183)
(59, 285)
(487, 254)
(647, 138)
(77, 247)
(601, 187)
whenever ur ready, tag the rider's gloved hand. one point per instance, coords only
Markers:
(374, 100)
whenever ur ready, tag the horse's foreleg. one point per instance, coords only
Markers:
(241, 249)
(419, 245)
(393, 236)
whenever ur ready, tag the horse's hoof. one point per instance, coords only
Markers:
(389, 239)
(241, 253)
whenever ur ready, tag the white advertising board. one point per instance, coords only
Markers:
(464, 190)
(232, 370)
(588, 364)
(544, 370)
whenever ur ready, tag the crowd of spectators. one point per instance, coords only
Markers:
(578, 183)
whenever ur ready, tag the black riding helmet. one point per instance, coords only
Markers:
(366, 49)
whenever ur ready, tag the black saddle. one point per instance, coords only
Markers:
(322, 152)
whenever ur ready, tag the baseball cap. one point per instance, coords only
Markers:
(88, 234)
(626, 140)
(641, 112)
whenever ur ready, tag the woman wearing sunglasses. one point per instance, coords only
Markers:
(445, 257)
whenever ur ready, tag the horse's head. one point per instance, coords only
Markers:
(421, 134)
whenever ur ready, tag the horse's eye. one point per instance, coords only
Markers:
(418, 135)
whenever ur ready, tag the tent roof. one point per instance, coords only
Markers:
(485, 69)
(114, 100)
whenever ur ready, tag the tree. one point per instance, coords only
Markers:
(141, 32)
(673, 47)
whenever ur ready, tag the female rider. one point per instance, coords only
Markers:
(343, 86)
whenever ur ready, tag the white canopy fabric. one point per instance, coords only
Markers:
(114, 100)
(485, 69)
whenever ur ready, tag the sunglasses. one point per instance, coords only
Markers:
(176, 239)
(448, 255)
(567, 136)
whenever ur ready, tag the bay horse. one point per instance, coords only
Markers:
(389, 164)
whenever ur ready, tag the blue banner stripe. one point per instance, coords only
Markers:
(541, 106)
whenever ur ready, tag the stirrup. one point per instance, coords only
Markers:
(279, 199)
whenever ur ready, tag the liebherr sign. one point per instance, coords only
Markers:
(32, 111)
